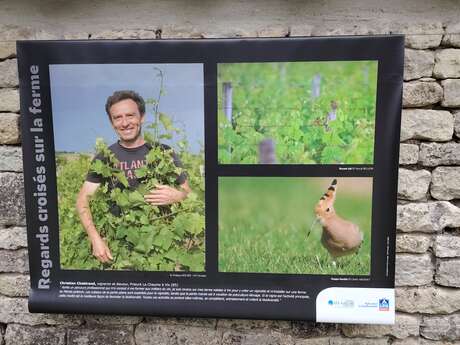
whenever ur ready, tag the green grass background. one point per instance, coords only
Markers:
(264, 221)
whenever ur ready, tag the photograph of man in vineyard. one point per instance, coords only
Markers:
(297, 112)
(295, 225)
(130, 189)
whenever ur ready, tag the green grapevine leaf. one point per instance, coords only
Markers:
(164, 239)
(166, 121)
(141, 172)
(122, 178)
(135, 198)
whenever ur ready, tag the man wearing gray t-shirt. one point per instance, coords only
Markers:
(126, 111)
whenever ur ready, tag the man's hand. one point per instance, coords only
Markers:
(164, 195)
(100, 249)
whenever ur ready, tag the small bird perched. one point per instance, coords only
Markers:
(332, 115)
(340, 237)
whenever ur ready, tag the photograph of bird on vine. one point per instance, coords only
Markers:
(295, 225)
(297, 112)
(137, 204)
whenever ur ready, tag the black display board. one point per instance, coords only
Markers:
(289, 147)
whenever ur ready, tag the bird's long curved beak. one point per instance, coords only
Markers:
(316, 220)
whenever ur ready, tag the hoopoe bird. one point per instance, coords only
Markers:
(340, 237)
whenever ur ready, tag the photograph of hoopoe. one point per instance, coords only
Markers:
(340, 237)
(272, 225)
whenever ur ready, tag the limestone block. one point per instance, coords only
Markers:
(76, 35)
(313, 341)
(107, 320)
(14, 261)
(441, 327)
(413, 269)
(427, 217)
(446, 246)
(27, 335)
(433, 154)
(176, 31)
(28, 33)
(9, 73)
(336, 28)
(423, 42)
(421, 94)
(358, 341)
(225, 32)
(405, 325)
(9, 129)
(273, 31)
(125, 34)
(15, 310)
(13, 238)
(183, 321)
(421, 35)
(149, 333)
(445, 183)
(14, 285)
(409, 243)
(301, 30)
(425, 124)
(457, 123)
(447, 64)
(241, 324)
(9, 100)
(309, 329)
(407, 341)
(448, 272)
(418, 64)
(15, 32)
(47, 35)
(12, 210)
(451, 92)
(7, 49)
(420, 341)
(9, 34)
(408, 154)
(452, 35)
(413, 184)
(428, 300)
(121, 335)
(271, 338)
(10, 158)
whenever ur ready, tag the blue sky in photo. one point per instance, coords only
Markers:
(79, 93)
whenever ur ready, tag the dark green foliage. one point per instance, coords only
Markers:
(143, 237)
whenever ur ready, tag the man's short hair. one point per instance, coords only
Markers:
(121, 96)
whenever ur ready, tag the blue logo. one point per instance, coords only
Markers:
(341, 304)
(384, 304)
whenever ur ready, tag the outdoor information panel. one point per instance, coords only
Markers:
(241, 178)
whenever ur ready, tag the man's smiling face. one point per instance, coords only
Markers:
(127, 121)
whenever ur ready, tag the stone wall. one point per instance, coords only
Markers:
(428, 227)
